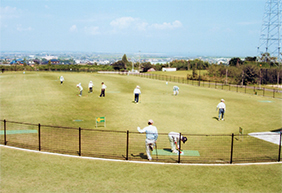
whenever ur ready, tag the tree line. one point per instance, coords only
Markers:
(237, 71)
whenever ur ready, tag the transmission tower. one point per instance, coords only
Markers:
(270, 38)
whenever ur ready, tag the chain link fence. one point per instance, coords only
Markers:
(125, 145)
(259, 90)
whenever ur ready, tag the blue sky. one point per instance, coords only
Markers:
(177, 27)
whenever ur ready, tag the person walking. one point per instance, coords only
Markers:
(103, 89)
(137, 93)
(151, 137)
(90, 86)
(175, 90)
(62, 79)
(174, 139)
(222, 109)
(80, 89)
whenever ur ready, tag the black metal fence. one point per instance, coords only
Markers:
(128, 145)
(254, 90)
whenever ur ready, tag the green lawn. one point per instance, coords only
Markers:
(38, 97)
(28, 172)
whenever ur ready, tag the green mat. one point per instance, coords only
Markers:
(17, 131)
(184, 152)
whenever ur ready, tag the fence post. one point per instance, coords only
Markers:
(237, 87)
(263, 91)
(231, 154)
(245, 89)
(79, 152)
(127, 142)
(39, 137)
(279, 153)
(179, 149)
(273, 93)
(5, 133)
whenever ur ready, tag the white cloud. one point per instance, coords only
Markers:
(93, 30)
(136, 23)
(73, 28)
(142, 26)
(165, 25)
(9, 12)
(21, 29)
(123, 22)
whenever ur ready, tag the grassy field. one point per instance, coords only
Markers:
(28, 172)
(39, 98)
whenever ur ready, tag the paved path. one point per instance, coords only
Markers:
(273, 137)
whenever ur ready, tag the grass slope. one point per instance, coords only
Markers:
(35, 172)
(39, 98)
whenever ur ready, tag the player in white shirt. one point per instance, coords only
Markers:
(151, 137)
(174, 141)
(80, 88)
(103, 89)
(137, 93)
(62, 79)
(175, 90)
(90, 86)
(222, 109)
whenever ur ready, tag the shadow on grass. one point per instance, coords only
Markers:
(167, 149)
(141, 155)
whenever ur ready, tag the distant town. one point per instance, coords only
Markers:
(67, 58)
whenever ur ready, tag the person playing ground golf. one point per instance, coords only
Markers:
(90, 86)
(222, 109)
(80, 89)
(175, 90)
(103, 89)
(151, 137)
(62, 79)
(136, 92)
(174, 141)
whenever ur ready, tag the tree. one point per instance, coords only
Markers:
(24, 63)
(251, 74)
(125, 61)
(266, 57)
(49, 65)
(251, 59)
(235, 62)
(119, 65)
(146, 66)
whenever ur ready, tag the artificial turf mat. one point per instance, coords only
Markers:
(17, 131)
(168, 152)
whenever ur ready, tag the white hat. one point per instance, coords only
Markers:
(151, 121)
(137, 86)
(222, 100)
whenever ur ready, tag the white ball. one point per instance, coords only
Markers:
(166, 82)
